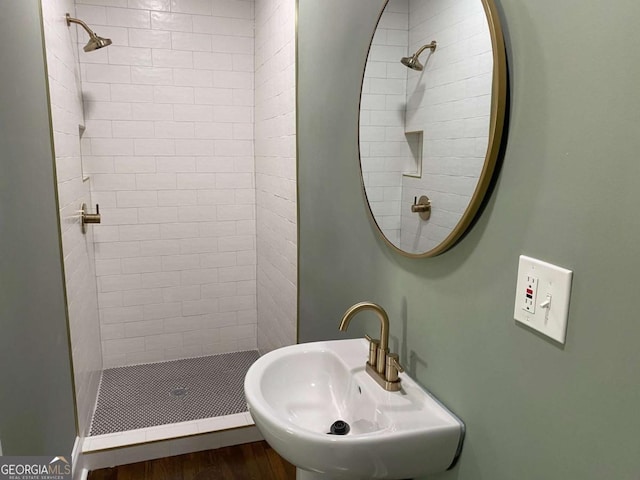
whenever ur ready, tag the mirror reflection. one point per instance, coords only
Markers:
(425, 118)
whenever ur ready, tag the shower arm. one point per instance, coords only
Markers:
(431, 46)
(71, 20)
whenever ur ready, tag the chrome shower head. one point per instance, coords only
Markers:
(95, 42)
(412, 62)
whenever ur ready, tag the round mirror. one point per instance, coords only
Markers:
(431, 117)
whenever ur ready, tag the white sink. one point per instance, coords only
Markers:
(296, 393)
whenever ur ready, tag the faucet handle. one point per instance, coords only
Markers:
(396, 363)
(393, 367)
(374, 344)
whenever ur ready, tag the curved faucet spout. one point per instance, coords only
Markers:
(382, 366)
(379, 311)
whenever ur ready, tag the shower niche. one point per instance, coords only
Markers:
(413, 165)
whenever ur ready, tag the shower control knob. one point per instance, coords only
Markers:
(89, 217)
(422, 207)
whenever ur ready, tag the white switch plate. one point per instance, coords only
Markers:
(549, 287)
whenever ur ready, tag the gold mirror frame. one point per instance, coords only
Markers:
(496, 126)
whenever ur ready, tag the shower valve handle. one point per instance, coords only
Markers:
(422, 207)
(89, 217)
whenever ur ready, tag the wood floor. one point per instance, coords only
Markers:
(251, 461)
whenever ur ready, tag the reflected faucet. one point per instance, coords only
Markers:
(382, 365)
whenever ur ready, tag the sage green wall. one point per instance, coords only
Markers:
(36, 397)
(567, 193)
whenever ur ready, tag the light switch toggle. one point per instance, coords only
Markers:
(547, 306)
(546, 303)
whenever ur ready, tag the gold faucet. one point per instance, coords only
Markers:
(382, 365)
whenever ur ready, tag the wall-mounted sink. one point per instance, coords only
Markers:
(296, 393)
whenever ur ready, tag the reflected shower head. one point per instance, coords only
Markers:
(95, 42)
(412, 62)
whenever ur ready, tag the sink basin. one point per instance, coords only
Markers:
(296, 393)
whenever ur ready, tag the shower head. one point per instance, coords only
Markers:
(412, 62)
(95, 42)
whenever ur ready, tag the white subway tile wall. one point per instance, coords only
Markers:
(454, 114)
(169, 150)
(275, 159)
(67, 115)
(384, 150)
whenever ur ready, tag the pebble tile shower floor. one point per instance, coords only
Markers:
(154, 394)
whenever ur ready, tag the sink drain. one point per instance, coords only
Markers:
(339, 427)
(179, 391)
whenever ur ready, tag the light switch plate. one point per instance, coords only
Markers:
(549, 287)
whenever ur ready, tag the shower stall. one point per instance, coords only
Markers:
(182, 130)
